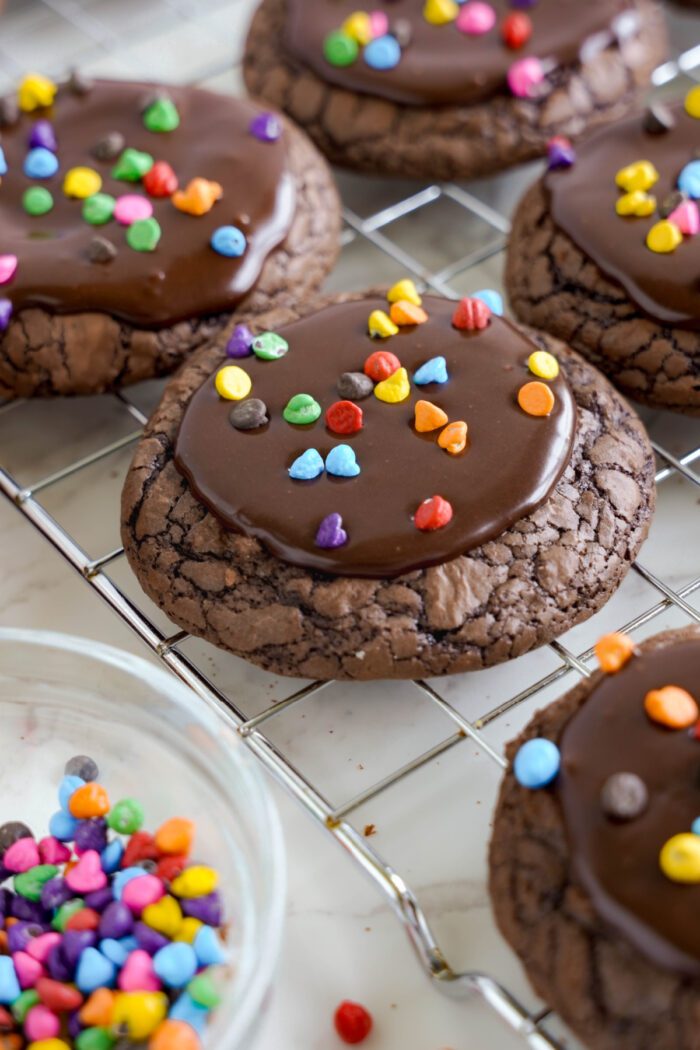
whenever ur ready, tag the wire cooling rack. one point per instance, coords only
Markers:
(379, 242)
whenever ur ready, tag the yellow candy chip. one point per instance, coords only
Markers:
(680, 858)
(233, 383)
(140, 1012)
(664, 237)
(358, 26)
(440, 12)
(189, 930)
(165, 916)
(394, 389)
(641, 175)
(636, 203)
(692, 102)
(543, 365)
(381, 325)
(82, 183)
(197, 881)
(405, 289)
(48, 1044)
(36, 92)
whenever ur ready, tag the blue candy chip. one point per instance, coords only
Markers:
(695, 826)
(115, 951)
(689, 179)
(3, 163)
(433, 371)
(342, 462)
(9, 985)
(94, 971)
(68, 786)
(122, 877)
(187, 1010)
(63, 826)
(493, 300)
(111, 857)
(383, 53)
(40, 163)
(229, 241)
(175, 964)
(537, 763)
(208, 948)
(307, 466)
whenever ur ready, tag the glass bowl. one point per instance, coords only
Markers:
(153, 740)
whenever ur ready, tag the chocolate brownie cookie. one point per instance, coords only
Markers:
(445, 496)
(605, 255)
(441, 91)
(595, 864)
(137, 221)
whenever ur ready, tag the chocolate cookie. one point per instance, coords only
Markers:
(595, 869)
(430, 502)
(620, 287)
(391, 93)
(138, 221)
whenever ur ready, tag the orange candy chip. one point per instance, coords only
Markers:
(98, 1011)
(429, 417)
(175, 836)
(454, 438)
(613, 651)
(671, 706)
(405, 313)
(90, 800)
(198, 198)
(536, 399)
(174, 1035)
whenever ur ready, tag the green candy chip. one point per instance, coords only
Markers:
(23, 1004)
(269, 346)
(132, 165)
(302, 409)
(143, 235)
(30, 883)
(162, 115)
(66, 912)
(99, 209)
(126, 817)
(340, 49)
(204, 991)
(95, 1039)
(37, 200)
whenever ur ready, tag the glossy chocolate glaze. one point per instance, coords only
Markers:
(618, 863)
(510, 465)
(582, 201)
(184, 277)
(442, 65)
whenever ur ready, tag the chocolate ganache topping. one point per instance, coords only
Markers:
(442, 65)
(184, 276)
(617, 862)
(510, 465)
(664, 285)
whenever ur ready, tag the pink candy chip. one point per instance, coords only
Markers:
(41, 947)
(379, 24)
(131, 208)
(87, 875)
(138, 974)
(41, 1023)
(687, 218)
(21, 856)
(8, 266)
(476, 18)
(52, 851)
(28, 970)
(141, 892)
(525, 75)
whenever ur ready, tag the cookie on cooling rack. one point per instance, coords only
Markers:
(605, 254)
(595, 856)
(136, 220)
(377, 487)
(439, 90)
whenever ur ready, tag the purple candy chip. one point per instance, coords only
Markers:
(20, 934)
(241, 342)
(30, 911)
(207, 909)
(5, 315)
(560, 156)
(43, 136)
(74, 944)
(55, 892)
(149, 940)
(117, 921)
(99, 899)
(331, 533)
(265, 127)
(91, 834)
(58, 964)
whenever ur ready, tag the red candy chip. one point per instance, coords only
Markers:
(381, 364)
(85, 919)
(344, 417)
(516, 29)
(58, 997)
(141, 846)
(170, 867)
(352, 1022)
(471, 315)
(433, 514)
(161, 180)
(7, 1023)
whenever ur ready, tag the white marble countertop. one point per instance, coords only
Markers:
(342, 939)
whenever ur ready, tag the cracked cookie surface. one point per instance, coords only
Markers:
(449, 141)
(549, 571)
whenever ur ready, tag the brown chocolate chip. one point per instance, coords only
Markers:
(147, 100)
(101, 250)
(109, 147)
(658, 119)
(9, 111)
(354, 386)
(249, 414)
(78, 83)
(624, 796)
(671, 202)
(401, 29)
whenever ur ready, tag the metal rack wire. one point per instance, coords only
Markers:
(339, 817)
